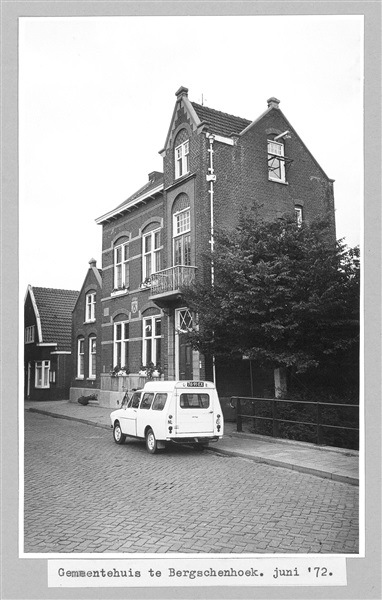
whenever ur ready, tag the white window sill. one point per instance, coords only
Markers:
(177, 177)
(119, 293)
(89, 321)
(277, 181)
(42, 387)
(91, 378)
(80, 378)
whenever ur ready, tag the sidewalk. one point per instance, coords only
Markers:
(331, 463)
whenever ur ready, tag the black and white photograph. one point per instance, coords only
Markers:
(191, 407)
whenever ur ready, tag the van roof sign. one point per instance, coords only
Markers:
(161, 386)
(195, 384)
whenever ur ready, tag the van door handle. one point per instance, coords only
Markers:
(211, 412)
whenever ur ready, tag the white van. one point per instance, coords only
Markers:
(185, 412)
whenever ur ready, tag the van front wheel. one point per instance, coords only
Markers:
(119, 437)
(151, 442)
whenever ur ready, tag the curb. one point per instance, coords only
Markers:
(68, 418)
(257, 459)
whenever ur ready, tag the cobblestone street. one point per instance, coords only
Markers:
(84, 493)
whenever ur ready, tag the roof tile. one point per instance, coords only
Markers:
(55, 308)
(220, 123)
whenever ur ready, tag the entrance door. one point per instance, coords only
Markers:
(183, 355)
(185, 358)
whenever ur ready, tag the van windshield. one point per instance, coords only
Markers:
(194, 401)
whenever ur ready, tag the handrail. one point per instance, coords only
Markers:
(275, 419)
(172, 279)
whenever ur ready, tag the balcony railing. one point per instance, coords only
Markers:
(171, 280)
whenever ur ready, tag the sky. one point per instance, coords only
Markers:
(96, 96)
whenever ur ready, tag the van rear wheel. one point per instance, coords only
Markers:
(151, 442)
(200, 447)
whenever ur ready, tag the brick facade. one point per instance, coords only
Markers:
(240, 179)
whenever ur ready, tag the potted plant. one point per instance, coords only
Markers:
(150, 370)
(119, 371)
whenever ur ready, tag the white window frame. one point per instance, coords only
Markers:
(275, 150)
(182, 159)
(121, 266)
(43, 382)
(151, 347)
(152, 256)
(298, 215)
(81, 358)
(90, 304)
(181, 228)
(29, 334)
(121, 344)
(92, 357)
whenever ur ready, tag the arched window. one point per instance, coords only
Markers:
(90, 304)
(182, 154)
(151, 250)
(152, 340)
(92, 357)
(181, 231)
(121, 264)
(80, 358)
(121, 344)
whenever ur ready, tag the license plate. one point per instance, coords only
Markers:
(195, 384)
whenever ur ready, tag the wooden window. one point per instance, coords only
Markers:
(182, 162)
(90, 307)
(276, 162)
(92, 357)
(80, 358)
(42, 368)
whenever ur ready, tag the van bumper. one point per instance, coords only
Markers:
(193, 440)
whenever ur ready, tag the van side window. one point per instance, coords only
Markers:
(135, 400)
(159, 402)
(147, 400)
(194, 401)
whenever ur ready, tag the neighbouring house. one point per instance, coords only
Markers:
(152, 244)
(48, 342)
(86, 336)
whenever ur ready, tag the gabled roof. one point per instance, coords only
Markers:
(97, 274)
(220, 123)
(150, 189)
(53, 308)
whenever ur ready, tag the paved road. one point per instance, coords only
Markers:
(84, 493)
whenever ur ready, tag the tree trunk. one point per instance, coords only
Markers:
(280, 379)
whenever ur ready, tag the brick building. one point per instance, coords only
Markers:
(213, 165)
(47, 342)
(86, 335)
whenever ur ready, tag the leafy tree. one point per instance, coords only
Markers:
(283, 295)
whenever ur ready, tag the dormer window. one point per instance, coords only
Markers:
(182, 163)
(276, 161)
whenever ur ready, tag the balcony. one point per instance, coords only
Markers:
(166, 285)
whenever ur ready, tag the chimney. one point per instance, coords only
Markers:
(93, 263)
(154, 175)
(273, 102)
(182, 91)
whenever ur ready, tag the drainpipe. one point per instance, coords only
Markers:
(211, 178)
